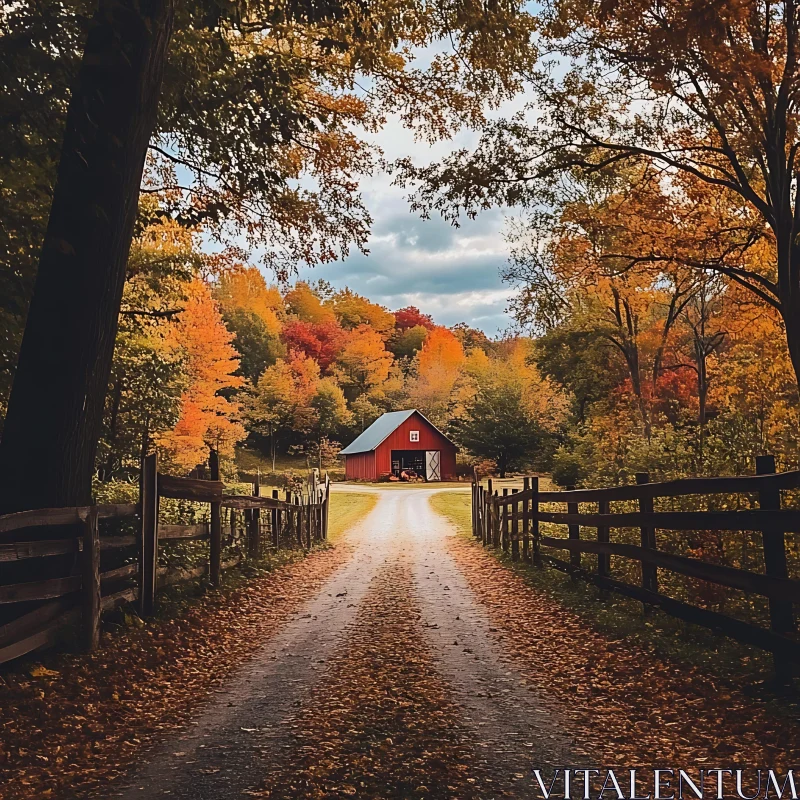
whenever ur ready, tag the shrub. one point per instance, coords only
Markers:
(568, 468)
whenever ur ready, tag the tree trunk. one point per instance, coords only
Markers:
(631, 352)
(702, 398)
(791, 319)
(56, 405)
(788, 267)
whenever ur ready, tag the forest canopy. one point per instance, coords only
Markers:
(653, 275)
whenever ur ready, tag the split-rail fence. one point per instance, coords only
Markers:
(513, 521)
(75, 601)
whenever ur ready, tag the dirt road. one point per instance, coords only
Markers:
(389, 683)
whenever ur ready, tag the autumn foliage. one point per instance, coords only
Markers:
(207, 417)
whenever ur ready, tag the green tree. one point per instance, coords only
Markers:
(579, 360)
(406, 344)
(257, 346)
(496, 425)
(332, 415)
(365, 412)
(281, 401)
(513, 416)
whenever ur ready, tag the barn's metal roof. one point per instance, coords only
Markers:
(379, 430)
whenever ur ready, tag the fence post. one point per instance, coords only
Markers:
(289, 516)
(248, 530)
(526, 521)
(603, 559)
(514, 527)
(475, 512)
(215, 543)
(482, 514)
(148, 497)
(481, 501)
(485, 517)
(489, 537)
(326, 512)
(505, 530)
(232, 523)
(90, 582)
(298, 520)
(648, 534)
(574, 533)
(472, 507)
(257, 519)
(781, 612)
(534, 512)
(301, 521)
(497, 518)
(481, 511)
(276, 523)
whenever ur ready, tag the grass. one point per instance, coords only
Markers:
(346, 509)
(456, 507)
(622, 618)
(249, 461)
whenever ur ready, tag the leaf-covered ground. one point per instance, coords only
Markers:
(423, 668)
(640, 708)
(75, 721)
(383, 724)
(386, 684)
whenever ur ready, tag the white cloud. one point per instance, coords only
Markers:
(448, 272)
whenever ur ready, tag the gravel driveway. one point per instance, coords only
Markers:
(262, 726)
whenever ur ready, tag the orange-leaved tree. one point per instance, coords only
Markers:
(245, 288)
(570, 267)
(208, 419)
(702, 91)
(438, 368)
(306, 304)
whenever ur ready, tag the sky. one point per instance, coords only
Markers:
(450, 273)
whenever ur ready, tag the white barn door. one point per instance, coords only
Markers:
(433, 468)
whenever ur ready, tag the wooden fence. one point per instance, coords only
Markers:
(79, 597)
(513, 520)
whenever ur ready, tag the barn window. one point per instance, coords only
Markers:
(413, 436)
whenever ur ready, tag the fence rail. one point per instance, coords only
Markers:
(80, 597)
(511, 521)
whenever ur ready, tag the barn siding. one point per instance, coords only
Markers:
(360, 467)
(429, 439)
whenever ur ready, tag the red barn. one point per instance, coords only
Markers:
(397, 441)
